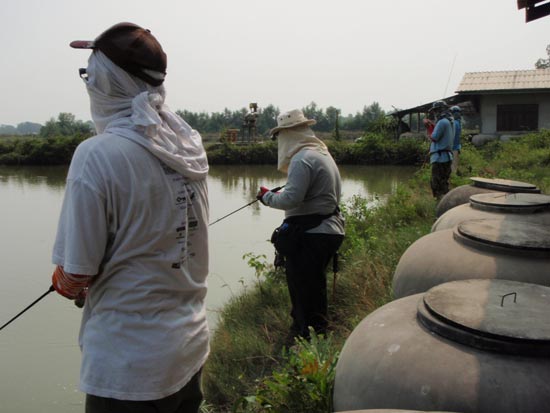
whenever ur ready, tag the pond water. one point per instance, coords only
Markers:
(39, 355)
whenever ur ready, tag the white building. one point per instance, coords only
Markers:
(498, 104)
(508, 101)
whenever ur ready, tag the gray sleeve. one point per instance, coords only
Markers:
(299, 178)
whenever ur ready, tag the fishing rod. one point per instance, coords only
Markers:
(244, 206)
(450, 73)
(51, 289)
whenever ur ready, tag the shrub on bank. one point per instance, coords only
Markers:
(38, 151)
(371, 149)
(225, 153)
(378, 149)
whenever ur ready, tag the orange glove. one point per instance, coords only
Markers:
(69, 285)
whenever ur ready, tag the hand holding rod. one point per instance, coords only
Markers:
(51, 289)
(29, 306)
(250, 203)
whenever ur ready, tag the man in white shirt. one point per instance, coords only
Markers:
(132, 235)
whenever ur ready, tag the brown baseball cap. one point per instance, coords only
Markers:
(132, 48)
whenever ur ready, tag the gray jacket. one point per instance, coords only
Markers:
(313, 187)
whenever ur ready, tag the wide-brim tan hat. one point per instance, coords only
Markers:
(291, 119)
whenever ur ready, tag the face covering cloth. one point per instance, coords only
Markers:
(123, 105)
(293, 140)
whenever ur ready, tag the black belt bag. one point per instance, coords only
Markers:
(287, 238)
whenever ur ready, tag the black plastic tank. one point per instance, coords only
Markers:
(461, 194)
(472, 346)
(525, 207)
(485, 248)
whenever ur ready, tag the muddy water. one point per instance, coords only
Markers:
(39, 356)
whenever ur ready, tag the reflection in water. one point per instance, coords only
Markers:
(39, 355)
(243, 181)
(360, 180)
(52, 176)
(375, 180)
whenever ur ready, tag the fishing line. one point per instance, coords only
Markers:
(244, 206)
(29, 306)
(450, 73)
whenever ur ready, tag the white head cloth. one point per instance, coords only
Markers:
(293, 140)
(126, 106)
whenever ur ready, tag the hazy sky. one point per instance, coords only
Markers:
(227, 53)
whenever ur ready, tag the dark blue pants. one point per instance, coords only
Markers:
(307, 282)
(441, 171)
(187, 400)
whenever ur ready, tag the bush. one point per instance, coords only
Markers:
(302, 381)
(373, 148)
(39, 151)
(230, 154)
(377, 149)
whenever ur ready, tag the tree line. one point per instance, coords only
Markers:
(23, 128)
(328, 120)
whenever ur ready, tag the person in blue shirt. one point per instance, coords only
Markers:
(441, 155)
(456, 112)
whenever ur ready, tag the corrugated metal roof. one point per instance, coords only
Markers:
(505, 80)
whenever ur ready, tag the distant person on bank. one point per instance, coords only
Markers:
(312, 219)
(429, 123)
(457, 146)
(441, 155)
(132, 235)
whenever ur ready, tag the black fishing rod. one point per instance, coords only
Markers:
(51, 289)
(244, 206)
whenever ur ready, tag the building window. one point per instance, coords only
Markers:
(517, 118)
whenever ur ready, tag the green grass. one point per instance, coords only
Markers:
(247, 345)
(247, 370)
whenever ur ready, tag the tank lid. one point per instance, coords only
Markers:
(516, 235)
(505, 185)
(510, 202)
(495, 315)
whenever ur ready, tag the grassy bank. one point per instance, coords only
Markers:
(248, 372)
(32, 150)
(370, 149)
